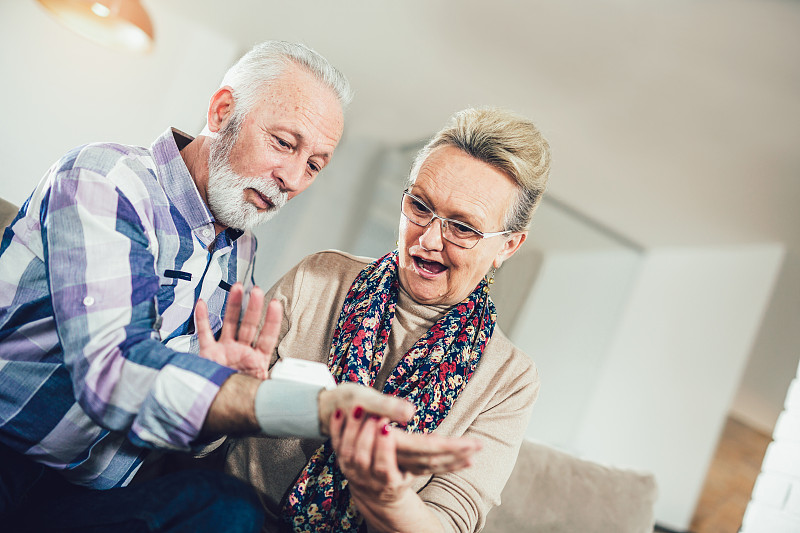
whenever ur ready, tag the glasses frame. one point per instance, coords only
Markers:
(445, 221)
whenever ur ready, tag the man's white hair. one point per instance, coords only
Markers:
(266, 62)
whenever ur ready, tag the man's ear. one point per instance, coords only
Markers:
(510, 247)
(220, 108)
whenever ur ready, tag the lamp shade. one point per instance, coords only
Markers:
(120, 24)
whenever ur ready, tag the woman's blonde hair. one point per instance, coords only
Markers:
(507, 142)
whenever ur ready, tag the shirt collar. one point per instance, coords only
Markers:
(180, 186)
(176, 180)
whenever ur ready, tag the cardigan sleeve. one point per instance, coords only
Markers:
(462, 499)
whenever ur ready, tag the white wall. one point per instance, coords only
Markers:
(566, 325)
(775, 354)
(662, 396)
(60, 90)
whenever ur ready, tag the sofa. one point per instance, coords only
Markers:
(551, 491)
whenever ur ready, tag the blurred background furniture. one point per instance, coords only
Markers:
(551, 491)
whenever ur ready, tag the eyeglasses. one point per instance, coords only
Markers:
(461, 234)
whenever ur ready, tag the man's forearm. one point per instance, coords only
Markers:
(233, 410)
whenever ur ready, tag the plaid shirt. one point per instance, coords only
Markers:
(99, 274)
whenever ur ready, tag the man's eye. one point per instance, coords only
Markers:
(315, 168)
(283, 143)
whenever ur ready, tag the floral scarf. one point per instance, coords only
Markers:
(431, 374)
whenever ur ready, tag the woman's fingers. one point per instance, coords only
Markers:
(336, 426)
(347, 396)
(348, 436)
(384, 460)
(431, 454)
(362, 451)
(392, 407)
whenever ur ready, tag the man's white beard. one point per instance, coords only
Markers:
(226, 188)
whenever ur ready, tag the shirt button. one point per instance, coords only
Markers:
(206, 232)
(88, 301)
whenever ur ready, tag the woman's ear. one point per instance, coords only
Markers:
(510, 247)
(220, 108)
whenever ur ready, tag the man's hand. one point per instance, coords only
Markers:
(348, 396)
(241, 346)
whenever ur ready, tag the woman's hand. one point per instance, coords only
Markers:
(368, 451)
(241, 346)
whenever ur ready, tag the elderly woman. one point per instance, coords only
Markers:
(417, 323)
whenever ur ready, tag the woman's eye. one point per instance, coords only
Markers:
(462, 230)
(419, 207)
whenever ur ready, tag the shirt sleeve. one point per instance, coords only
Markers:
(101, 272)
(461, 500)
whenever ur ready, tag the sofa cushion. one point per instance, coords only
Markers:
(551, 491)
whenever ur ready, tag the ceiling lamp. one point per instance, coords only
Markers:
(120, 24)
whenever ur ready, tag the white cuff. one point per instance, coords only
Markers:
(287, 403)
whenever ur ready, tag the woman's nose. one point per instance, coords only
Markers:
(431, 238)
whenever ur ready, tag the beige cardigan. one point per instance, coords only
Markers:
(494, 406)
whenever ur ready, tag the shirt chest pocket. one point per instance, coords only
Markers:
(175, 286)
(178, 294)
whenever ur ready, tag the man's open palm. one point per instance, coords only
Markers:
(241, 346)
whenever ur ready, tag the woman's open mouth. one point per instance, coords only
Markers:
(428, 269)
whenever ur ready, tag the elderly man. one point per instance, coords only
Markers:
(116, 274)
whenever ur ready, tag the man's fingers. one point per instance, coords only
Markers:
(233, 309)
(268, 338)
(252, 316)
(201, 325)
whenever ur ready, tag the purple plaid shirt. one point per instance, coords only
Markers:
(99, 274)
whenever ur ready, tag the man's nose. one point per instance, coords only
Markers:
(290, 174)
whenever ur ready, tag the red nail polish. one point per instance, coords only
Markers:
(357, 412)
(338, 414)
(374, 417)
(385, 429)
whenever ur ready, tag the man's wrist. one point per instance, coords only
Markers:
(288, 409)
(288, 404)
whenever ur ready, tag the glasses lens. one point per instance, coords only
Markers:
(415, 211)
(460, 234)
